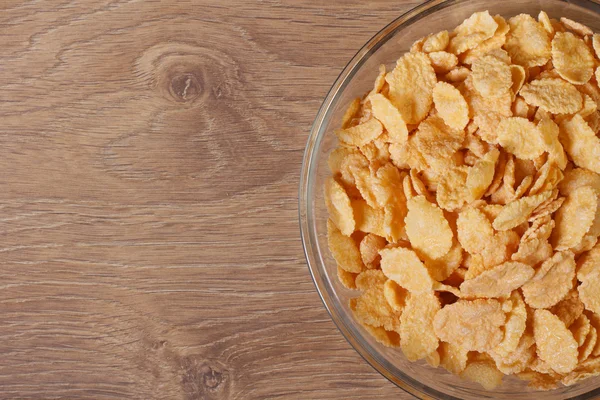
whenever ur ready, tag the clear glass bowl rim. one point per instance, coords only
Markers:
(308, 229)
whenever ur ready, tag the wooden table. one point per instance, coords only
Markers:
(150, 156)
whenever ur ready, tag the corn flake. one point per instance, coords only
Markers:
(491, 77)
(517, 212)
(555, 343)
(576, 27)
(553, 95)
(473, 325)
(417, 338)
(411, 86)
(404, 267)
(472, 32)
(574, 218)
(344, 249)
(390, 117)
(520, 137)
(572, 58)
(436, 42)
(360, 135)
(451, 105)
(483, 372)
(580, 143)
(499, 281)
(527, 42)
(552, 281)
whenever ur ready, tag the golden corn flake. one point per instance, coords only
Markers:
(417, 338)
(452, 193)
(491, 77)
(451, 105)
(527, 42)
(576, 27)
(390, 117)
(555, 343)
(580, 143)
(411, 86)
(347, 279)
(339, 207)
(568, 309)
(500, 281)
(481, 174)
(574, 218)
(588, 290)
(458, 74)
(553, 95)
(517, 212)
(473, 325)
(379, 81)
(369, 250)
(453, 358)
(520, 137)
(395, 295)
(344, 250)
(436, 141)
(472, 32)
(586, 369)
(572, 58)
(427, 229)
(441, 268)
(404, 267)
(549, 131)
(442, 61)
(552, 281)
(369, 219)
(362, 134)
(474, 230)
(580, 329)
(371, 307)
(483, 372)
(436, 42)
(546, 23)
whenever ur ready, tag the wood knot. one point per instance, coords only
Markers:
(208, 379)
(185, 87)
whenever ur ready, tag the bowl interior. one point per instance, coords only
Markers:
(385, 48)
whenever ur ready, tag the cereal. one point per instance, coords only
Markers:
(555, 343)
(472, 32)
(580, 143)
(360, 135)
(527, 42)
(404, 267)
(451, 105)
(553, 95)
(491, 77)
(474, 325)
(442, 61)
(518, 211)
(520, 137)
(481, 174)
(390, 117)
(437, 42)
(464, 202)
(483, 372)
(427, 228)
(572, 58)
(339, 207)
(369, 250)
(344, 250)
(574, 218)
(411, 86)
(417, 338)
(453, 358)
(552, 281)
(499, 281)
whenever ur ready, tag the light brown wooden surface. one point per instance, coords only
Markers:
(149, 161)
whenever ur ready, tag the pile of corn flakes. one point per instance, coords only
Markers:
(464, 201)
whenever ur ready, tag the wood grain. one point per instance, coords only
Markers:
(149, 155)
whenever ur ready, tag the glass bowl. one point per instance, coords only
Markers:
(357, 78)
